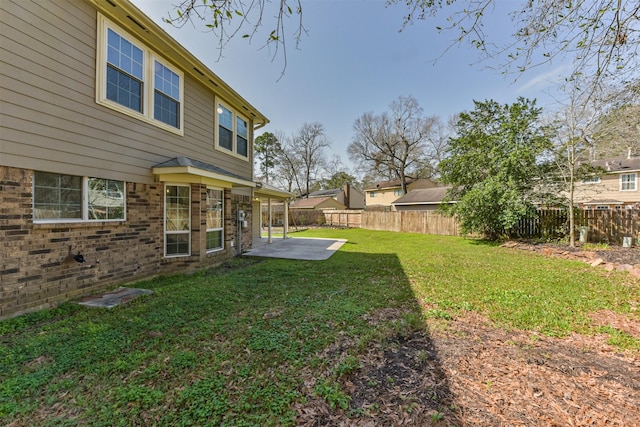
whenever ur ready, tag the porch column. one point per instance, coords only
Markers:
(286, 219)
(269, 229)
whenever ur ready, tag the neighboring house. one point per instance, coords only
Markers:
(617, 188)
(317, 203)
(118, 148)
(348, 196)
(384, 193)
(424, 199)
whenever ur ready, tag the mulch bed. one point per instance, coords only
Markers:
(469, 372)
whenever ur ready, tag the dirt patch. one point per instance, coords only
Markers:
(470, 373)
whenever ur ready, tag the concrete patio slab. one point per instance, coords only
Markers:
(114, 298)
(302, 248)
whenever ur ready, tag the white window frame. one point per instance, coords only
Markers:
(591, 180)
(174, 232)
(602, 207)
(373, 194)
(234, 132)
(635, 182)
(148, 88)
(221, 229)
(84, 202)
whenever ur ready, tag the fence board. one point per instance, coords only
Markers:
(424, 222)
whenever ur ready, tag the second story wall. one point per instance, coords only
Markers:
(52, 120)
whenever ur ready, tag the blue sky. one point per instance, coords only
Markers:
(355, 60)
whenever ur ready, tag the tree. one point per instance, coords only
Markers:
(601, 37)
(617, 133)
(492, 166)
(339, 179)
(267, 149)
(572, 127)
(393, 144)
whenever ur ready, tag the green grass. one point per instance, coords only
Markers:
(233, 346)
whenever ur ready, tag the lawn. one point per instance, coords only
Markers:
(258, 342)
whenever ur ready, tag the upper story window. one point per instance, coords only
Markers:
(591, 180)
(133, 80)
(233, 132)
(373, 194)
(398, 192)
(628, 182)
(70, 198)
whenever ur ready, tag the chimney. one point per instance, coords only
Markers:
(347, 195)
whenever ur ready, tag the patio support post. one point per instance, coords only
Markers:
(286, 219)
(269, 229)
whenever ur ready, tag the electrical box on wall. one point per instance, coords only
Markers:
(242, 215)
(244, 224)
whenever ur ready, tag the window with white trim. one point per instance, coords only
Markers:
(398, 192)
(177, 220)
(132, 79)
(70, 198)
(233, 132)
(373, 194)
(591, 180)
(215, 219)
(628, 182)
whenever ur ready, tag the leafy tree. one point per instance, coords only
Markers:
(267, 149)
(601, 37)
(339, 179)
(492, 166)
(394, 144)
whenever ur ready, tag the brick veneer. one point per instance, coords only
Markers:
(37, 268)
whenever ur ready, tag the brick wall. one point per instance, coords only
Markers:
(37, 268)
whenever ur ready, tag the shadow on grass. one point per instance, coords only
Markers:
(276, 342)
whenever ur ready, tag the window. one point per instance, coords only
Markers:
(215, 221)
(58, 197)
(373, 194)
(233, 132)
(628, 182)
(591, 180)
(602, 207)
(177, 219)
(133, 80)
(398, 192)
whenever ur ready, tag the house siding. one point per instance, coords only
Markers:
(37, 268)
(50, 121)
(607, 189)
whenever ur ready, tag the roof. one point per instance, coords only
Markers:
(265, 190)
(311, 203)
(388, 184)
(185, 165)
(133, 19)
(423, 196)
(619, 165)
(603, 202)
(321, 193)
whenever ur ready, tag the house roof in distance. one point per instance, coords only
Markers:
(323, 193)
(380, 185)
(618, 165)
(423, 196)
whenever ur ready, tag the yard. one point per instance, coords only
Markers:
(394, 329)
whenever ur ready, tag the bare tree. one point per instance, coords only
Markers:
(308, 145)
(393, 144)
(617, 133)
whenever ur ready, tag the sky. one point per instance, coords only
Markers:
(354, 59)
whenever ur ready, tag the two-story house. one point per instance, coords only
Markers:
(121, 154)
(617, 188)
(382, 194)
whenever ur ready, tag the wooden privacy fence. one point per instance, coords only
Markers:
(343, 218)
(425, 222)
(610, 226)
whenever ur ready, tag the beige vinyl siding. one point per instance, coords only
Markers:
(607, 189)
(50, 118)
